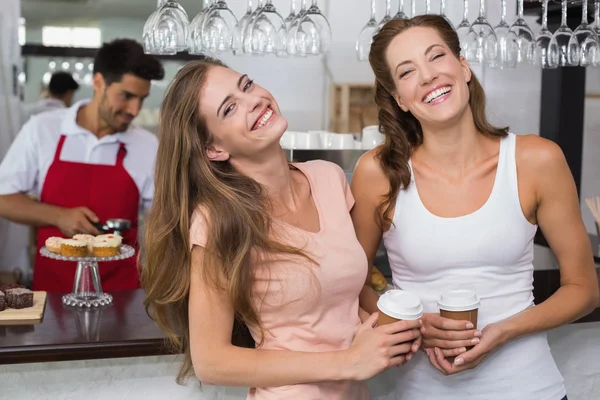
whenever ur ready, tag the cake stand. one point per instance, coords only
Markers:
(87, 287)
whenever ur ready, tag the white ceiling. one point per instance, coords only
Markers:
(68, 11)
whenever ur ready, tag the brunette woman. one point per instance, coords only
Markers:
(457, 202)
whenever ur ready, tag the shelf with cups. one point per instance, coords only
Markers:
(507, 45)
(353, 129)
(343, 149)
(261, 30)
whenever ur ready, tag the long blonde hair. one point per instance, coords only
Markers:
(236, 206)
(403, 132)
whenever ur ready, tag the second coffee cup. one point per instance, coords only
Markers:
(396, 305)
(460, 304)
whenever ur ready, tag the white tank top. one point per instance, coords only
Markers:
(489, 251)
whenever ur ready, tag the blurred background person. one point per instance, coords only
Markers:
(59, 94)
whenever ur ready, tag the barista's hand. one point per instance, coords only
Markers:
(76, 220)
(450, 336)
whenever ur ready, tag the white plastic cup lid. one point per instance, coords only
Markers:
(400, 305)
(458, 300)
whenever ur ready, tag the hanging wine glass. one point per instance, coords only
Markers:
(507, 42)
(218, 28)
(248, 34)
(268, 31)
(482, 44)
(363, 43)
(195, 32)
(170, 29)
(568, 50)
(596, 24)
(546, 49)
(463, 29)
(388, 15)
(147, 31)
(291, 16)
(240, 28)
(315, 18)
(525, 37)
(443, 13)
(586, 39)
(400, 14)
(291, 36)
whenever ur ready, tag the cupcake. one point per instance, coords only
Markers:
(74, 248)
(53, 244)
(86, 238)
(106, 245)
(109, 236)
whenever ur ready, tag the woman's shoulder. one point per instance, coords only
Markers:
(368, 168)
(537, 153)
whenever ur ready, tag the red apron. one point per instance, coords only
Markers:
(107, 190)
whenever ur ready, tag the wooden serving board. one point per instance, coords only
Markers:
(26, 315)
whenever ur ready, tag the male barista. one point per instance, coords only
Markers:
(87, 164)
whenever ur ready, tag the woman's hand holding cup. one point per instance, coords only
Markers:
(454, 330)
(378, 347)
(452, 337)
(389, 337)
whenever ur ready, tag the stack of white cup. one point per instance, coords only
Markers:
(313, 140)
(371, 137)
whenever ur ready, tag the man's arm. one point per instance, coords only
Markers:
(20, 208)
(18, 172)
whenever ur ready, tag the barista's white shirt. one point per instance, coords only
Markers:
(24, 168)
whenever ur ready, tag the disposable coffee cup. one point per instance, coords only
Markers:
(460, 304)
(398, 305)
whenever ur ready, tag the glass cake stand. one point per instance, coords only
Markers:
(87, 287)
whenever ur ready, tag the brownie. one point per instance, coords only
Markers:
(2, 301)
(5, 287)
(19, 298)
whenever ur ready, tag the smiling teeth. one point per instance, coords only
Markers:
(436, 93)
(264, 119)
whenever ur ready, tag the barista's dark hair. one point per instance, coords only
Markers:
(126, 56)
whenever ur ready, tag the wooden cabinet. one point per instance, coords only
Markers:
(352, 107)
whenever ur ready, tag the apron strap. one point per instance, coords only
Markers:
(121, 154)
(59, 148)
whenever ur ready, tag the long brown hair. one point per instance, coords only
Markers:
(235, 205)
(403, 132)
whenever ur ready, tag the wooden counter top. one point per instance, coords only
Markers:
(121, 330)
